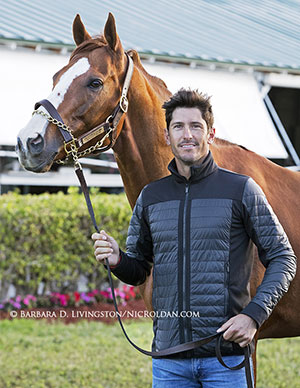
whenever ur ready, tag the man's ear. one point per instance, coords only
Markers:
(167, 136)
(211, 135)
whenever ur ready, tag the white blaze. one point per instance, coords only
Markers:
(38, 124)
(58, 93)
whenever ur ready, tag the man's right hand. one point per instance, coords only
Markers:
(106, 247)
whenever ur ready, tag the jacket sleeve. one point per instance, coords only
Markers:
(135, 265)
(274, 249)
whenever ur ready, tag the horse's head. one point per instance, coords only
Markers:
(85, 93)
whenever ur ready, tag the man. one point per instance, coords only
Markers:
(195, 227)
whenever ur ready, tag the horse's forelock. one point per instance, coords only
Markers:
(88, 46)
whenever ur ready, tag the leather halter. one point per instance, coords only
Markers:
(107, 128)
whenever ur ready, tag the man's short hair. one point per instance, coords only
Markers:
(187, 98)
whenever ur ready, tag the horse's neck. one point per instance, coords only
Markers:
(238, 159)
(233, 157)
(141, 152)
(277, 182)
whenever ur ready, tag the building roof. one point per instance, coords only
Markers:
(259, 33)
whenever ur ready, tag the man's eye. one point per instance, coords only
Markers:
(197, 126)
(95, 84)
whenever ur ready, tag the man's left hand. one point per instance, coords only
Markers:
(240, 329)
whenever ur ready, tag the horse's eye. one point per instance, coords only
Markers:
(95, 84)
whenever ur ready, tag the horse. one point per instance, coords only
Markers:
(86, 92)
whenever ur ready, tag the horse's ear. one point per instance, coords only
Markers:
(80, 34)
(110, 32)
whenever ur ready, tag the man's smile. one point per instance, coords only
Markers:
(188, 145)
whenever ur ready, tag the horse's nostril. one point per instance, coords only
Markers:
(35, 144)
(37, 139)
(19, 146)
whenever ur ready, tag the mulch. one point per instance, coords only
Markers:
(101, 312)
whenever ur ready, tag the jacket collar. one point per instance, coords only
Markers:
(207, 167)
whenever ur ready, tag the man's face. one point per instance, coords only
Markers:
(188, 136)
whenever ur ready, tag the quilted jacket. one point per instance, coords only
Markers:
(198, 234)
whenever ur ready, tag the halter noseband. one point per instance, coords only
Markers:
(72, 145)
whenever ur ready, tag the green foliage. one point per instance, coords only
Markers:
(48, 238)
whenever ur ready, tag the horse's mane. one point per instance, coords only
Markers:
(157, 82)
(222, 142)
(226, 143)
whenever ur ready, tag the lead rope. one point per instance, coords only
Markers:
(175, 349)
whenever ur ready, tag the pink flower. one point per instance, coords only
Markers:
(104, 293)
(86, 298)
(63, 299)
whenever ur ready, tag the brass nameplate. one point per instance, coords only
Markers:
(92, 135)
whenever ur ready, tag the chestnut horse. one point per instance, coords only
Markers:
(85, 93)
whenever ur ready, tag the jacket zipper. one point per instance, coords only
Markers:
(226, 286)
(184, 253)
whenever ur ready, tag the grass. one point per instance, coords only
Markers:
(278, 363)
(36, 354)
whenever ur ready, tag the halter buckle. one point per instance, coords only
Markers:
(71, 147)
(124, 103)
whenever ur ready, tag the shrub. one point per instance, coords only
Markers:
(47, 238)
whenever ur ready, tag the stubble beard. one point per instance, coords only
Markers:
(191, 160)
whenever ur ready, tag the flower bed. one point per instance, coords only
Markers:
(96, 305)
(75, 299)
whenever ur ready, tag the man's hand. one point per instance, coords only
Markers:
(240, 329)
(106, 247)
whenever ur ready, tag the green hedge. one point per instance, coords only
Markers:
(47, 238)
